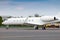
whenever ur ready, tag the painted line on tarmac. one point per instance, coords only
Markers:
(16, 36)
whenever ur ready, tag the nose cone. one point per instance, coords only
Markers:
(3, 22)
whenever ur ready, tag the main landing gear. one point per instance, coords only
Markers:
(36, 27)
(44, 27)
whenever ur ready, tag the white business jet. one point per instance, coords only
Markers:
(32, 20)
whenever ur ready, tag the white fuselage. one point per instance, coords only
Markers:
(30, 20)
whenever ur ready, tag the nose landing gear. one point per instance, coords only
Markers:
(7, 27)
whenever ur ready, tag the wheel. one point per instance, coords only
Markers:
(44, 28)
(7, 27)
(36, 27)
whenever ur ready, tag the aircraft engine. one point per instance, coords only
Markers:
(48, 18)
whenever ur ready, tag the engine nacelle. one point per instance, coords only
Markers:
(48, 18)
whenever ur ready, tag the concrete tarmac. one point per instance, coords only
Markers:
(17, 34)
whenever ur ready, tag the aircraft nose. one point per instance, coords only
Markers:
(3, 22)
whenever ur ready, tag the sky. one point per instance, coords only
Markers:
(29, 7)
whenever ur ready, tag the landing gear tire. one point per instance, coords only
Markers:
(7, 27)
(36, 27)
(43, 28)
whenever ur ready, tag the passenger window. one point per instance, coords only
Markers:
(32, 20)
(29, 20)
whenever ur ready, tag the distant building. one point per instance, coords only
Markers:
(55, 25)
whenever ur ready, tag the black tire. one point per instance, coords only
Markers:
(36, 28)
(6, 28)
(43, 28)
